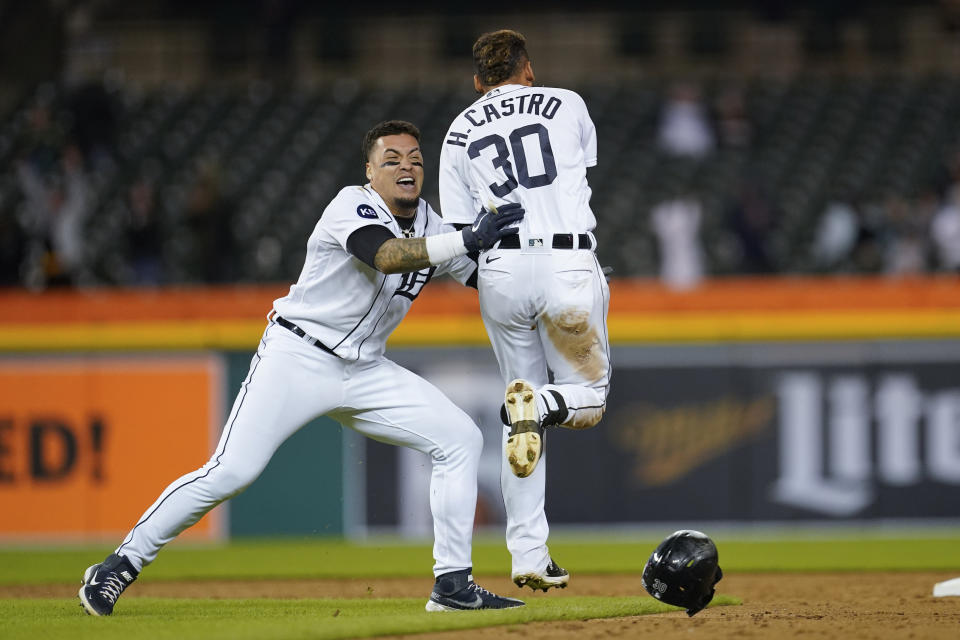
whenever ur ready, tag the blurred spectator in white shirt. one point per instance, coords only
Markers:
(836, 235)
(54, 213)
(677, 225)
(945, 225)
(685, 129)
(945, 234)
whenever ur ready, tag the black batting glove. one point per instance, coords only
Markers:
(489, 227)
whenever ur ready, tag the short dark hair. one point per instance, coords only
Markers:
(388, 128)
(498, 56)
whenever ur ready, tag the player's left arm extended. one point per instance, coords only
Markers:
(376, 247)
(399, 255)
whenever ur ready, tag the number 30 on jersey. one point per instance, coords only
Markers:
(515, 168)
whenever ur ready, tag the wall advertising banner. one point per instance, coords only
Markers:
(766, 443)
(88, 443)
(748, 433)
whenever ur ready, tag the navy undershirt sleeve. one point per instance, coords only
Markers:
(364, 243)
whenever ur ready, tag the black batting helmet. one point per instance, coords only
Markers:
(682, 570)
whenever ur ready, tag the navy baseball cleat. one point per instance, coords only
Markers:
(103, 583)
(456, 591)
(553, 576)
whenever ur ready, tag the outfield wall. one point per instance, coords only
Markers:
(745, 400)
(748, 433)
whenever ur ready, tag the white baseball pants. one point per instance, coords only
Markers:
(545, 309)
(292, 382)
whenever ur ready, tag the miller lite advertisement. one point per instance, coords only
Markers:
(764, 443)
(749, 433)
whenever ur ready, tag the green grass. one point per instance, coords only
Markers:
(336, 559)
(320, 618)
(367, 617)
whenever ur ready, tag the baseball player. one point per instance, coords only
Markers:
(322, 353)
(543, 294)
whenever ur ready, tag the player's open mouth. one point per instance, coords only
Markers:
(406, 181)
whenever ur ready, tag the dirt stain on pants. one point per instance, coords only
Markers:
(578, 342)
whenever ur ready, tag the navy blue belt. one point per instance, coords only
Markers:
(286, 324)
(560, 241)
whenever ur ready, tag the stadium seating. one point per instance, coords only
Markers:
(278, 156)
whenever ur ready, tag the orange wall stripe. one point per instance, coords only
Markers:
(735, 309)
(252, 302)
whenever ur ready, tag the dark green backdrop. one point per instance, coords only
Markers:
(301, 490)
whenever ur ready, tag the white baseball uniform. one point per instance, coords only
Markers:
(544, 299)
(322, 354)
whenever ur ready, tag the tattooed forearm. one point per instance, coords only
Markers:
(400, 255)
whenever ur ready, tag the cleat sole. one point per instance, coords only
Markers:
(524, 445)
(86, 606)
(541, 583)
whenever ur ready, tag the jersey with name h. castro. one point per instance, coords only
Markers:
(521, 144)
(347, 305)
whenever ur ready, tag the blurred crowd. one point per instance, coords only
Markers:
(894, 234)
(65, 157)
(66, 151)
(77, 208)
(43, 242)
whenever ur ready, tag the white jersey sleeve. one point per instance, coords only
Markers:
(459, 201)
(350, 210)
(588, 133)
(344, 303)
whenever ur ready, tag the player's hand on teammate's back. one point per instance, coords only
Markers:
(491, 226)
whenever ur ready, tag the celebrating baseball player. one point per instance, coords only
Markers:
(543, 294)
(322, 353)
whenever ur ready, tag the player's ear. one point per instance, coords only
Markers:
(369, 172)
(476, 84)
(528, 72)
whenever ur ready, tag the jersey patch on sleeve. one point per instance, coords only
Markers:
(366, 211)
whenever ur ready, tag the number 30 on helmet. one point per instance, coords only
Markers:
(683, 570)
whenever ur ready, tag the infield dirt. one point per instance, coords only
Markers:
(775, 605)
